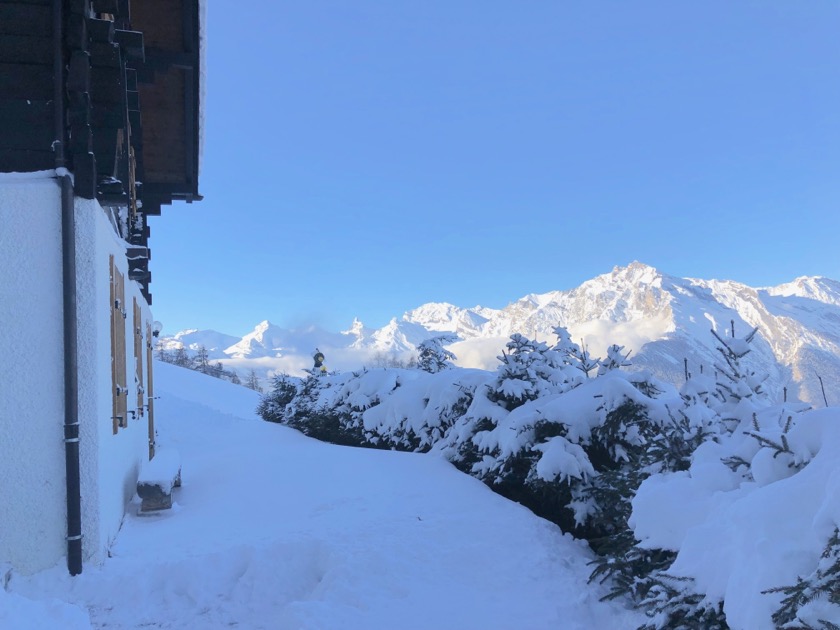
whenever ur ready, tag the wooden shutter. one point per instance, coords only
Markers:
(138, 357)
(150, 391)
(118, 360)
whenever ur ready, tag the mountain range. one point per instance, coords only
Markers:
(665, 321)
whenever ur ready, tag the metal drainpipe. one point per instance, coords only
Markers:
(68, 255)
(71, 382)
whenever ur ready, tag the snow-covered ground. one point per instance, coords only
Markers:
(274, 530)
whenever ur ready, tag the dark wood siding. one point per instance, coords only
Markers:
(163, 135)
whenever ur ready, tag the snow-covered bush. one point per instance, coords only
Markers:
(420, 413)
(541, 434)
(751, 513)
(272, 407)
(311, 413)
(433, 357)
(813, 603)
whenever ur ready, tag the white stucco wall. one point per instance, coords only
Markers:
(32, 487)
(32, 475)
(110, 463)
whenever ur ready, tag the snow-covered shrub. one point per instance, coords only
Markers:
(272, 407)
(738, 388)
(673, 604)
(433, 357)
(552, 451)
(813, 603)
(755, 504)
(529, 370)
(616, 358)
(393, 408)
(312, 413)
(420, 413)
(572, 354)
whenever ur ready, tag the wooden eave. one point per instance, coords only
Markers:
(168, 88)
(110, 90)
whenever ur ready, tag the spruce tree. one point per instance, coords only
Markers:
(253, 381)
(432, 357)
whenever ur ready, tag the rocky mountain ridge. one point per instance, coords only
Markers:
(664, 320)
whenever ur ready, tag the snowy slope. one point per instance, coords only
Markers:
(663, 319)
(274, 530)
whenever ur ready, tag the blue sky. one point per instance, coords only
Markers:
(362, 158)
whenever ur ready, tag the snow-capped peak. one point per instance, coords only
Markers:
(814, 287)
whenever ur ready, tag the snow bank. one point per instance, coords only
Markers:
(274, 530)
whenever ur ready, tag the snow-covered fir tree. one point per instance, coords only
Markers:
(432, 357)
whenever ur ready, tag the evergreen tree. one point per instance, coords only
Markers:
(572, 354)
(163, 354)
(253, 381)
(432, 357)
(181, 358)
(201, 361)
(736, 382)
(615, 359)
(272, 407)
(523, 374)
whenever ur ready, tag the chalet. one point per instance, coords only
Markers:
(99, 128)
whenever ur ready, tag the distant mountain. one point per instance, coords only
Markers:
(215, 342)
(268, 340)
(663, 319)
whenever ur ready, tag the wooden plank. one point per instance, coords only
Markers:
(103, 115)
(84, 169)
(161, 22)
(26, 49)
(131, 43)
(25, 161)
(120, 355)
(25, 19)
(106, 86)
(75, 31)
(17, 112)
(103, 54)
(150, 390)
(136, 122)
(132, 100)
(100, 30)
(78, 72)
(27, 137)
(115, 419)
(81, 139)
(131, 79)
(105, 148)
(26, 81)
(138, 357)
(164, 119)
(78, 116)
(106, 6)
(78, 7)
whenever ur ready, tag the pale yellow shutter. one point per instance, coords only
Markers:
(138, 356)
(150, 391)
(118, 359)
